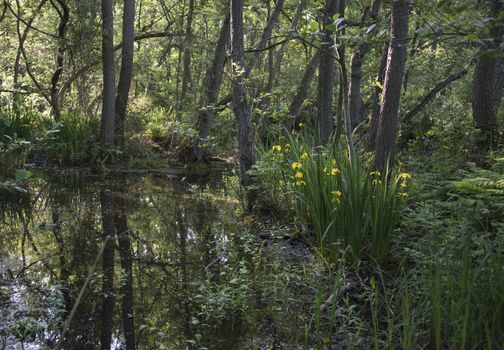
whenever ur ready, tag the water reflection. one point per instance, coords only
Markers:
(168, 274)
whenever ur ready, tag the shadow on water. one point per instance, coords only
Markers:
(128, 263)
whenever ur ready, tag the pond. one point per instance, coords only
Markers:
(146, 262)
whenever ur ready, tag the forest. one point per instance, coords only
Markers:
(252, 174)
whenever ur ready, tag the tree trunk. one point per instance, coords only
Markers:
(125, 75)
(240, 104)
(487, 84)
(64, 15)
(324, 119)
(211, 86)
(302, 91)
(356, 62)
(293, 27)
(375, 112)
(186, 74)
(386, 137)
(108, 108)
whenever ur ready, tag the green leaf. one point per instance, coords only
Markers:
(22, 175)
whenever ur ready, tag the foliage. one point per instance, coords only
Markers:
(345, 203)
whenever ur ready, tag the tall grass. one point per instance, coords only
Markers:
(351, 209)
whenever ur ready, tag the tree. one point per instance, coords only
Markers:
(108, 94)
(240, 104)
(386, 137)
(324, 119)
(488, 80)
(211, 86)
(64, 16)
(356, 62)
(125, 75)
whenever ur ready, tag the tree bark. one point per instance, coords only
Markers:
(108, 108)
(240, 103)
(211, 87)
(356, 62)
(386, 137)
(293, 27)
(324, 119)
(375, 111)
(186, 74)
(126, 73)
(487, 83)
(64, 15)
(302, 91)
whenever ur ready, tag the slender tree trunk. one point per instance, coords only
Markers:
(126, 73)
(64, 15)
(356, 62)
(240, 103)
(386, 137)
(324, 119)
(186, 74)
(375, 111)
(293, 27)
(302, 91)
(22, 36)
(211, 86)
(108, 108)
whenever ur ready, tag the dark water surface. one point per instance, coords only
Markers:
(174, 268)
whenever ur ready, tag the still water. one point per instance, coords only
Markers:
(143, 262)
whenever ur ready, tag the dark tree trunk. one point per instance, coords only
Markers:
(265, 37)
(186, 74)
(108, 96)
(487, 83)
(211, 86)
(375, 109)
(125, 252)
(107, 308)
(302, 91)
(386, 138)
(240, 103)
(293, 27)
(64, 15)
(356, 62)
(125, 75)
(324, 119)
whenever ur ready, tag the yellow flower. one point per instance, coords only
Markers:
(334, 162)
(298, 175)
(296, 166)
(301, 125)
(325, 170)
(277, 148)
(375, 173)
(403, 185)
(404, 176)
(335, 171)
(403, 194)
(300, 183)
(336, 196)
(304, 156)
(376, 182)
(287, 148)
